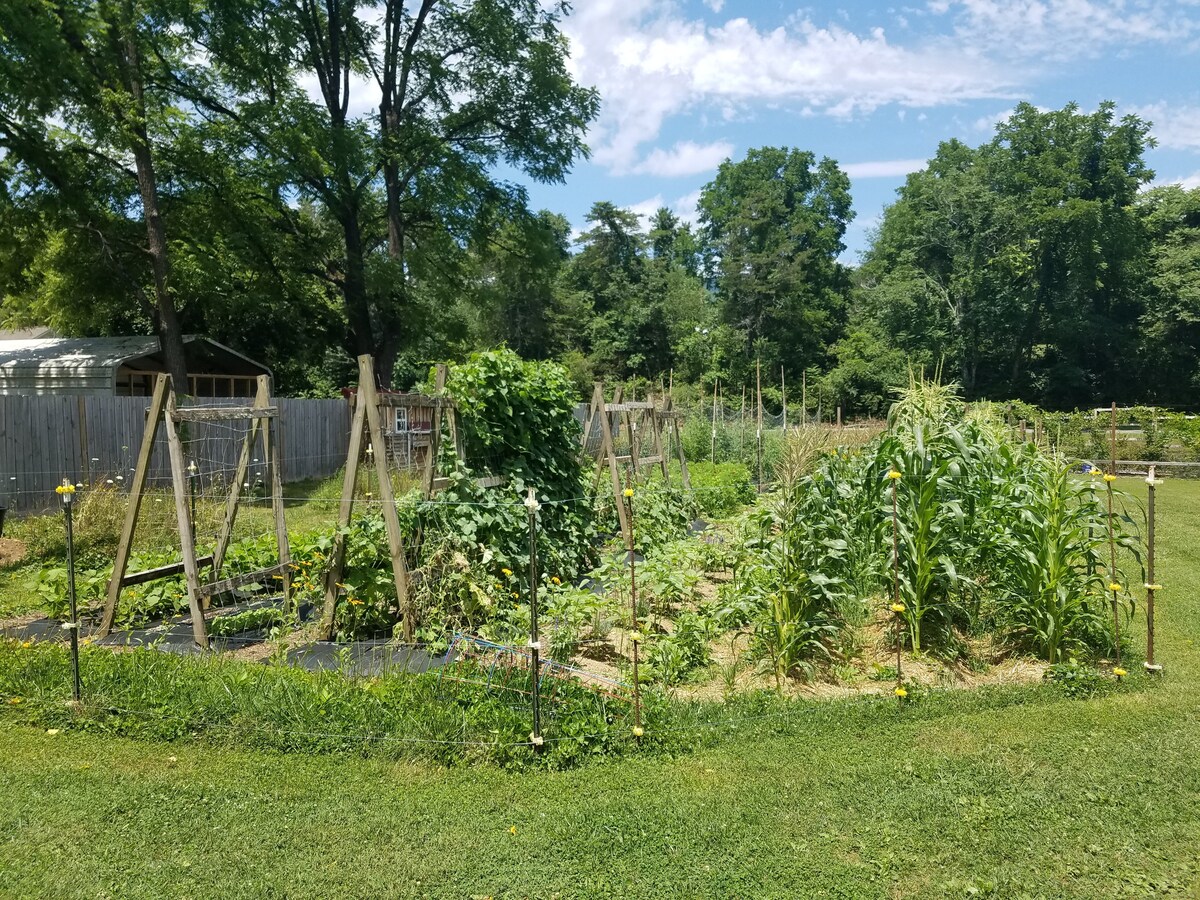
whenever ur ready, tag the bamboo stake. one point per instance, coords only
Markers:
(535, 645)
(635, 635)
(742, 447)
(897, 606)
(1151, 586)
(783, 391)
(1113, 585)
(804, 397)
(713, 451)
(758, 449)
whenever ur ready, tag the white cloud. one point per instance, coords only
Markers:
(1190, 183)
(684, 207)
(685, 158)
(715, 5)
(644, 209)
(1066, 29)
(888, 168)
(1175, 127)
(650, 63)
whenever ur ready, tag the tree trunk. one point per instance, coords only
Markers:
(170, 332)
(354, 285)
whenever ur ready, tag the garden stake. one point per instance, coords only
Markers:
(741, 448)
(713, 454)
(535, 645)
(1112, 438)
(1151, 586)
(1112, 570)
(804, 397)
(783, 390)
(897, 606)
(758, 440)
(635, 636)
(66, 490)
(192, 473)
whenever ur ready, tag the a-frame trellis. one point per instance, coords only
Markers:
(164, 411)
(638, 421)
(368, 416)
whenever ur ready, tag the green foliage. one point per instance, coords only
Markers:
(264, 617)
(721, 489)
(229, 703)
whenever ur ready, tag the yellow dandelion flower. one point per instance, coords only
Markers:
(628, 492)
(1113, 586)
(897, 607)
(25, 645)
(1109, 477)
(894, 475)
(1119, 672)
(507, 573)
(901, 693)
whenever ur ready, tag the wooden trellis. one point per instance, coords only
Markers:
(165, 410)
(369, 409)
(639, 422)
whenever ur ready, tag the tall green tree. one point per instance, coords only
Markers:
(773, 224)
(82, 113)
(1020, 263)
(1170, 326)
(417, 103)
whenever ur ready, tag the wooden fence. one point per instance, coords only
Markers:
(44, 439)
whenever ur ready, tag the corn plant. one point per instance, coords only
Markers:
(1053, 598)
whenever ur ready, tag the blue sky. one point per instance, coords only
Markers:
(875, 86)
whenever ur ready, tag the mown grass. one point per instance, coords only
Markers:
(1012, 793)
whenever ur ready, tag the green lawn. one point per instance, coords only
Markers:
(961, 797)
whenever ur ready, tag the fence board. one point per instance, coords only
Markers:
(41, 443)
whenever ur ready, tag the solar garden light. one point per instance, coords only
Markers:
(66, 491)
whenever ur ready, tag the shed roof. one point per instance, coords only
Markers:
(89, 365)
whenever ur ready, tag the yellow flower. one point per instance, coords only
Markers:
(637, 731)
(354, 601)
(507, 572)
(25, 645)
(1109, 477)
(1119, 672)
(555, 580)
(894, 475)
(628, 492)
(897, 607)
(13, 701)
(516, 595)
(512, 829)
(1113, 586)
(901, 693)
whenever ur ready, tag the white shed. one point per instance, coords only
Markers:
(120, 366)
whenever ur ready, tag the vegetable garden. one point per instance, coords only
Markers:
(938, 549)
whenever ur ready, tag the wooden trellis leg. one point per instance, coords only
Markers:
(272, 455)
(366, 388)
(609, 451)
(656, 423)
(136, 489)
(186, 538)
(262, 398)
(337, 554)
(435, 433)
